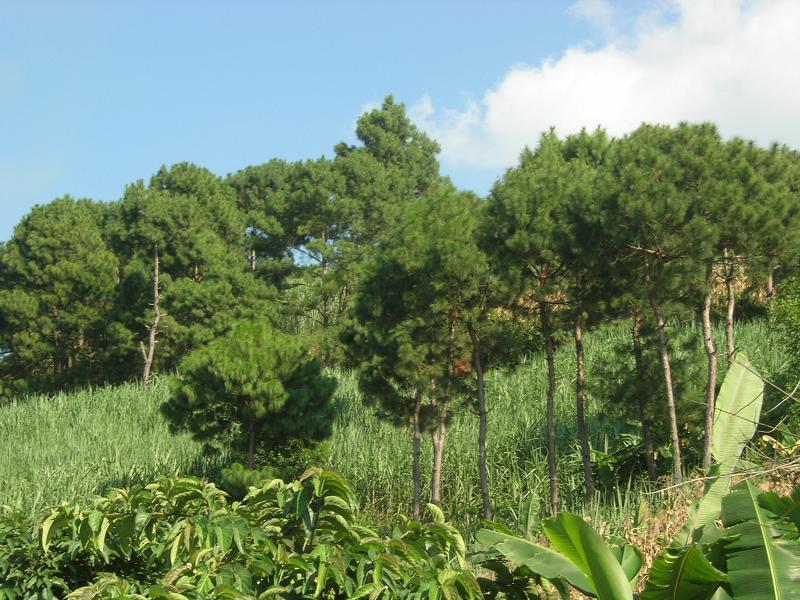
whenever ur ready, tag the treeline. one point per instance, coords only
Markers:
(389, 269)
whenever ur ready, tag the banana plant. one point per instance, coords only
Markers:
(684, 570)
(760, 546)
(736, 414)
(581, 558)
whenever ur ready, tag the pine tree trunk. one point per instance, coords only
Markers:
(667, 368)
(580, 402)
(771, 281)
(729, 274)
(549, 344)
(649, 449)
(438, 436)
(711, 351)
(152, 330)
(416, 451)
(251, 445)
(342, 308)
(483, 422)
(325, 300)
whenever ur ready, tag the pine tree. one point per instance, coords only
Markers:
(523, 211)
(58, 283)
(254, 387)
(191, 216)
(411, 336)
(659, 236)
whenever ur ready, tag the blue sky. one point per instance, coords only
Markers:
(95, 95)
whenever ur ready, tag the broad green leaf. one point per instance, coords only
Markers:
(737, 410)
(578, 542)
(366, 590)
(784, 507)
(101, 536)
(95, 518)
(123, 532)
(173, 553)
(436, 513)
(762, 552)
(47, 525)
(682, 574)
(160, 591)
(630, 559)
(542, 561)
(224, 533)
(322, 577)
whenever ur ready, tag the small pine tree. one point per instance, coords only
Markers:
(253, 387)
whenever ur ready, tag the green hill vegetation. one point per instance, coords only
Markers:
(485, 371)
(89, 441)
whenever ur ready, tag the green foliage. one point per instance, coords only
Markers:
(417, 294)
(761, 548)
(683, 573)
(57, 285)
(314, 224)
(736, 415)
(784, 321)
(85, 442)
(614, 377)
(756, 554)
(578, 542)
(581, 558)
(181, 538)
(396, 163)
(237, 479)
(190, 216)
(254, 386)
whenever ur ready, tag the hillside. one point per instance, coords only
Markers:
(69, 446)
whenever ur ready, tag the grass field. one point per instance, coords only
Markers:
(68, 446)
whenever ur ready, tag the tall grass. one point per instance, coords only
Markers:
(69, 446)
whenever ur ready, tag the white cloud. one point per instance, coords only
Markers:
(733, 62)
(598, 13)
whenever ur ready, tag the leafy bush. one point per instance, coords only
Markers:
(784, 313)
(237, 479)
(182, 538)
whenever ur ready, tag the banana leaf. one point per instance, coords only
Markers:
(683, 574)
(542, 561)
(762, 550)
(736, 415)
(579, 543)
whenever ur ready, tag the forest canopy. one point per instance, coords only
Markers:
(385, 268)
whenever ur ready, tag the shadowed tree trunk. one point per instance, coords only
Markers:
(667, 368)
(438, 436)
(416, 450)
(152, 329)
(711, 351)
(483, 424)
(730, 271)
(439, 433)
(251, 445)
(649, 450)
(771, 281)
(580, 399)
(549, 345)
